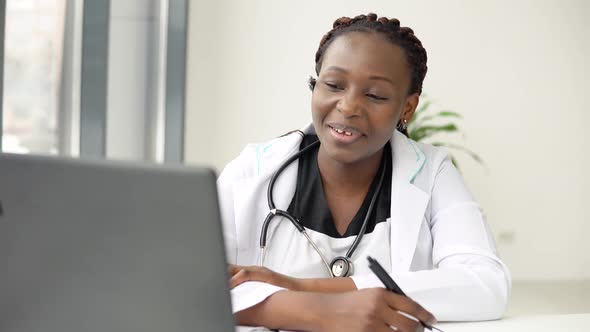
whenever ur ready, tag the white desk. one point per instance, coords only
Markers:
(534, 306)
(568, 322)
(549, 297)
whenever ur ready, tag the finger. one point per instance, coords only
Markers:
(233, 269)
(408, 306)
(408, 316)
(239, 278)
(386, 328)
(416, 325)
(399, 322)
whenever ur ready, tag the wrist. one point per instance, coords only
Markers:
(325, 285)
(290, 283)
(303, 284)
(287, 310)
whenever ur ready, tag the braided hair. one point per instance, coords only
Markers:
(390, 28)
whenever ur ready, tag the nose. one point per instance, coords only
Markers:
(351, 104)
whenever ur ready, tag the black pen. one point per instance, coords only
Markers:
(391, 286)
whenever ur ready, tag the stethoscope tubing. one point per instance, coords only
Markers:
(271, 204)
(368, 215)
(277, 212)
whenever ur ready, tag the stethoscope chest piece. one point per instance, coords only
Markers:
(341, 267)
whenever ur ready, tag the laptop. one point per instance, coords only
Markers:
(96, 246)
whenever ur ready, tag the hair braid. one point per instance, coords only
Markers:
(401, 36)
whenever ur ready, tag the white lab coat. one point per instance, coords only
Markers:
(442, 252)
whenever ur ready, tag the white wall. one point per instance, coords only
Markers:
(515, 70)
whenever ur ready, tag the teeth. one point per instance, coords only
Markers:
(340, 131)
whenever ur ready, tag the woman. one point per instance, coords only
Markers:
(363, 179)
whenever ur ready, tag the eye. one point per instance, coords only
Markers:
(375, 97)
(333, 86)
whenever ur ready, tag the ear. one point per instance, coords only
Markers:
(311, 83)
(410, 105)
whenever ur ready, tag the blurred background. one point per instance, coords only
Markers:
(188, 81)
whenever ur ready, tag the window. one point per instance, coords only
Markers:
(33, 45)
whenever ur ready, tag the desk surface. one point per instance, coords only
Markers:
(567, 322)
(570, 323)
(533, 306)
(549, 297)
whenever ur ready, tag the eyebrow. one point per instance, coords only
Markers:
(373, 77)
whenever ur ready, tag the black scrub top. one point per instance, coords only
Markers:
(309, 203)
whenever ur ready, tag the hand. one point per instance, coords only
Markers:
(240, 274)
(373, 309)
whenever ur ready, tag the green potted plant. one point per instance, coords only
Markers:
(427, 123)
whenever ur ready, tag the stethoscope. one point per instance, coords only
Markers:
(340, 266)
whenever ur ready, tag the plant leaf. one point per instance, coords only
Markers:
(422, 127)
(445, 114)
(454, 161)
(472, 154)
(422, 108)
(420, 133)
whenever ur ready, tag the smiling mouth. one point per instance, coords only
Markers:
(340, 131)
(343, 134)
(344, 130)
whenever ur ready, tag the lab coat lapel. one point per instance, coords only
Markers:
(250, 196)
(250, 209)
(408, 202)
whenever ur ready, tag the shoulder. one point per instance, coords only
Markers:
(258, 159)
(442, 180)
(422, 162)
(436, 156)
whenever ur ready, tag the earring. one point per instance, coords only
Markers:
(402, 125)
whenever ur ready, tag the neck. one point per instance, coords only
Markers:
(348, 179)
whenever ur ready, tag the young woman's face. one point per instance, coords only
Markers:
(360, 95)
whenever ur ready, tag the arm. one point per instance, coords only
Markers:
(366, 310)
(283, 310)
(241, 274)
(469, 281)
(463, 288)
(327, 285)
